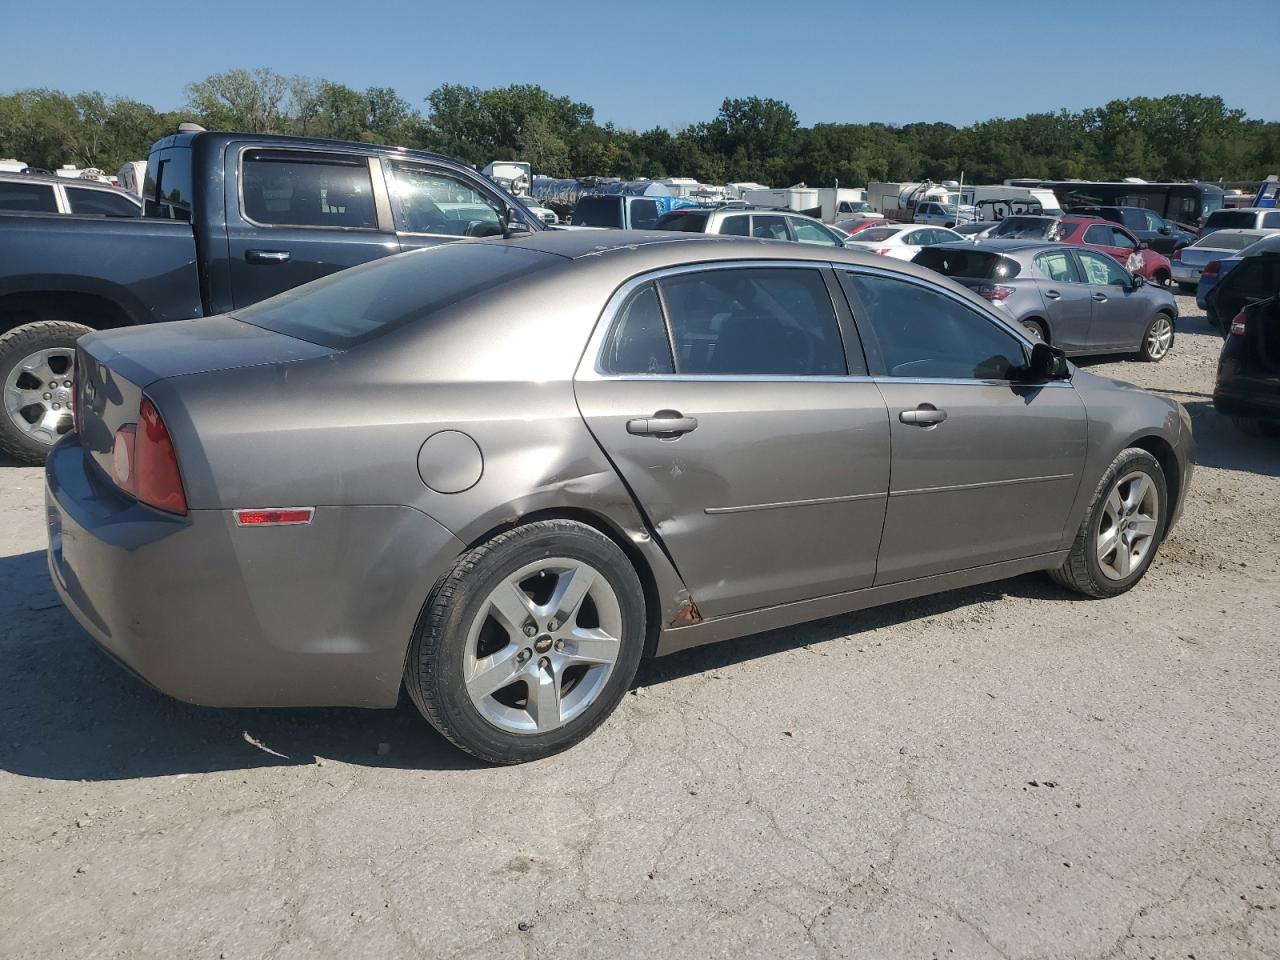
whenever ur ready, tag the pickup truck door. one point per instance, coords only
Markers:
(431, 204)
(295, 215)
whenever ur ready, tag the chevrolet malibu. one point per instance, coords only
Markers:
(499, 474)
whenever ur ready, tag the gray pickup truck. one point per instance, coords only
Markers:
(228, 220)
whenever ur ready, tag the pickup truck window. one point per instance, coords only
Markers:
(434, 202)
(300, 190)
(100, 203)
(28, 197)
(167, 188)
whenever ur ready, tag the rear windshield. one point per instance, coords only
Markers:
(368, 301)
(1023, 228)
(1220, 240)
(1221, 219)
(876, 234)
(968, 264)
(598, 212)
(683, 222)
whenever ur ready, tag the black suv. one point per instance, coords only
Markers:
(1248, 387)
(1163, 236)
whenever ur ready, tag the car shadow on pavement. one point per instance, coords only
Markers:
(67, 712)
(1219, 443)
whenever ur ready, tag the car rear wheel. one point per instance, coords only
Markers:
(1158, 340)
(36, 363)
(529, 643)
(1037, 329)
(1122, 529)
(1160, 278)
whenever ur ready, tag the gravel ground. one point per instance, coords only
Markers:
(1003, 771)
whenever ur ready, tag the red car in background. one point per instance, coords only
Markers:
(1132, 254)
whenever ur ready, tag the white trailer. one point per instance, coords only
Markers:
(132, 175)
(996, 201)
(897, 201)
(515, 175)
(737, 191)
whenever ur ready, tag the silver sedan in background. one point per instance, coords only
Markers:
(1075, 298)
(498, 474)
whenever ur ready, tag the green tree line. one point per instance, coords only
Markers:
(1178, 137)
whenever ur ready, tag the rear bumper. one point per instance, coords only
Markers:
(1185, 274)
(1243, 400)
(220, 615)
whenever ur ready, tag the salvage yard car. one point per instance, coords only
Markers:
(229, 219)
(1078, 299)
(501, 473)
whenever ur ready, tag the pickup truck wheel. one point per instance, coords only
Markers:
(36, 362)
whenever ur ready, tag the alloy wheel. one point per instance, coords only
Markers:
(543, 646)
(38, 394)
(1159, 337)
(1128, 525)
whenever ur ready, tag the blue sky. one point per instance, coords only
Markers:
(668, 64)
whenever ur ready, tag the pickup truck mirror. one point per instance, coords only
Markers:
(1165, 229)
(515, 227)
(1143, 245)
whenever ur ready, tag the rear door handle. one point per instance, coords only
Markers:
(1100, 297)
(665, 424)
(1053, 294)
(925, 415)
(266, 256)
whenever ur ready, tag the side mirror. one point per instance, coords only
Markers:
(1165, 229)
(1047, 363)
(1138, 281)
(515, 227)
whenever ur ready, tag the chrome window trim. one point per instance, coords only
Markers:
(590, 367)
(369, 159)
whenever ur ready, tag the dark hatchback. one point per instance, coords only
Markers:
(1248, 387)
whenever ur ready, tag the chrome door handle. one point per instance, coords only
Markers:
(665, 424)
(1053, 294)
(925, 415)
(266, 256)
(1100, 297)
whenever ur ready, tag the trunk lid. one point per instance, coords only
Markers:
(116, 366)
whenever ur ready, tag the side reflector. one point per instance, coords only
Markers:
(283, 517)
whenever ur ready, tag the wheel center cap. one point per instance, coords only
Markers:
(542, 644)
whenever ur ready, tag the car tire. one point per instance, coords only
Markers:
(1157, 339)
(1160, 278)
(1037, 329)
(49, 346)
(1087, 569)
(466, 643)
(1186, 287)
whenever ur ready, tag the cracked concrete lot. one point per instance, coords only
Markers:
(1006, 771)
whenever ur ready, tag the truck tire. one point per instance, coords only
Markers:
(36, 361)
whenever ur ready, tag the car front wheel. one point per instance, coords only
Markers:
(530, 642)
(1122, 529)
(1157, 341)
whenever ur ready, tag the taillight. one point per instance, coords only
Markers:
(993, 291)
(1238, 323)
(1212, 269)
(1177, 255)
(157, 481)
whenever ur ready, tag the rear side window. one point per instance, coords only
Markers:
(923, 333)
(1099, 234)
(1058, 266)
(753, 321)
(644, 214)
(598, 212)
(638, 342)
(369, 301)
(167, 189)
(1271, 220)
(739, 226)
(968, 264)
(28, 197)
(769, 228)
(298, 190)
(100, 203)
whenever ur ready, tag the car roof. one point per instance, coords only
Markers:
(1001, 246)
(1237, 231)
(1244, 210)
(1085, 218)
